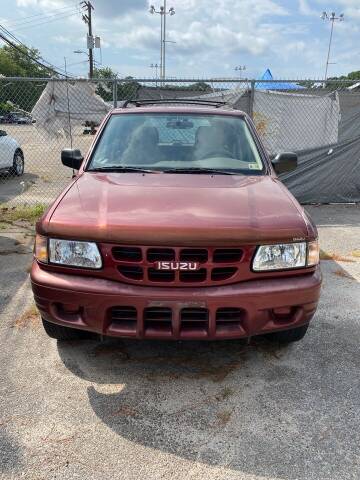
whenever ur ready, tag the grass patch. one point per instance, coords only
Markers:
(336, 257)
(223, 417)
(26, 213)
(30, 318)
(343, 274)
(225, 393)
(356, 253)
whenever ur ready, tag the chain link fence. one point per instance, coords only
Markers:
(40, 117)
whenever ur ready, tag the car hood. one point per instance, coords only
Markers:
(178, 209)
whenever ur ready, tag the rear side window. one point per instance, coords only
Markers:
(166, 141)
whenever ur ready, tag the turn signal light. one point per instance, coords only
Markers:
(313, 256)
(41, 249)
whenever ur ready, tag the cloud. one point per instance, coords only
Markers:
(62, 39)
(198, 27)
(117, 8)
(211, 37)
(305, 9)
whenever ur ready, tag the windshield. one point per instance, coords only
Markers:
(175, 142)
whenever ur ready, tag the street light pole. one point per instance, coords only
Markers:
(164, 39)
(161, 41)
(240, 69)
(162, 12)
(155, 66)
(331, 18)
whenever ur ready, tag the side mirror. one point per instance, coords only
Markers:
(3, 133)
(72, 158)
(285, 162)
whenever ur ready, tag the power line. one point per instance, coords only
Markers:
(19, 42)
(77, 12)
(49, 67)
(50, 13)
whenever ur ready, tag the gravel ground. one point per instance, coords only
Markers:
(159, 410)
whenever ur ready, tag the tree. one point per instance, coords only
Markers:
(22, 62)
(127, 88)
(104, 89)
(350, 76)
(200, 87)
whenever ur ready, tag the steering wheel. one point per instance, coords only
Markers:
(217, 153)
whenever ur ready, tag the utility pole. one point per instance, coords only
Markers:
(88, 20)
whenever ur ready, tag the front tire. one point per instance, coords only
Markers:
(18, 164)
(62, 333)
(289, 336)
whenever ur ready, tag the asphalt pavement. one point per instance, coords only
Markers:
(193, 410)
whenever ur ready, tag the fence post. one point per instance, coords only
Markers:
(251, 100)
(115, 92)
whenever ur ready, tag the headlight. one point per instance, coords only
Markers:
(280, 257)
(74, 254)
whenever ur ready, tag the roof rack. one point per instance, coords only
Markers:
(139, 103)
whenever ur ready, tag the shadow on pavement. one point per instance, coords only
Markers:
(11, 187)
(10, 457)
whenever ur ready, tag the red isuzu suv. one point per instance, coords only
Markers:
(176, 227)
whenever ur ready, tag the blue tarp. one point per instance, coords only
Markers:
(275, 85)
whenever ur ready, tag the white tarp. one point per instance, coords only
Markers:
(63, 104)
(288, 121)
(295, 121)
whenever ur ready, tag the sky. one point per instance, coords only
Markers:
(212, 37)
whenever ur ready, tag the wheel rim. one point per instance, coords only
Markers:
(19, 165)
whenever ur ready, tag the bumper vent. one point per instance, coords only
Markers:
(186, 323)
(158, 321)
(229, 320)
(124, 320)
(194, 321)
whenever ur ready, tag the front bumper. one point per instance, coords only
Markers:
(231, 311)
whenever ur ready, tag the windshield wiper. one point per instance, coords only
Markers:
(120, 168)
(198, 170)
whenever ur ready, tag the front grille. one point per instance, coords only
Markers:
(193, 276)
(194, 255)
(227, 255)
(160, 275)
(222, 273)
(140, 264)
(127, 254)
(131, 272)
(160, 254)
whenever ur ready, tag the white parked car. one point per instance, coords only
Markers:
(11, 155)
